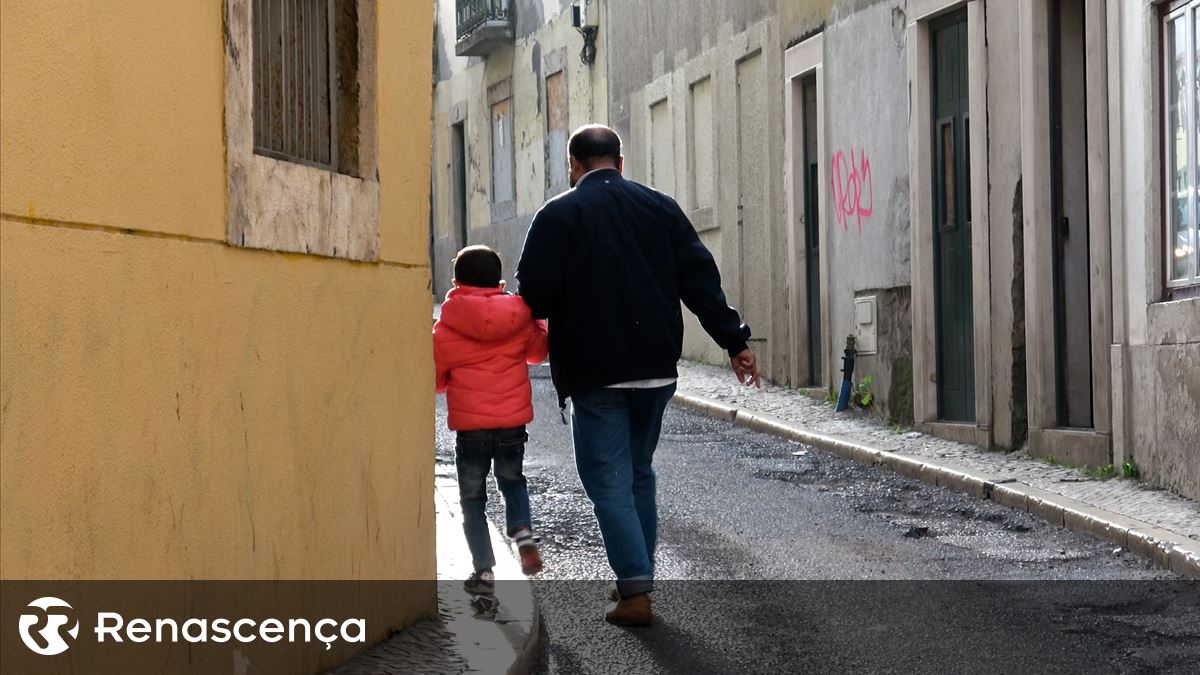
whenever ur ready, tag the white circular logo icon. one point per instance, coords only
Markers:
(43, 624)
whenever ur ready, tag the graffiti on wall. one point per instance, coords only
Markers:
(853, 191)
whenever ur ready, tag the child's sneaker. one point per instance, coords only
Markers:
(482, 582)
(531, 560)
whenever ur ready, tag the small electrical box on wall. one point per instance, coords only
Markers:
(585, 14)
(865, 321)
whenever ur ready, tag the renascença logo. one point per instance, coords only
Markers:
(42, 629)
(46, 619)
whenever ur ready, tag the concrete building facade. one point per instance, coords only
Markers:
(502, 112)
(1154, 352)
(976, 190)
(215, 297)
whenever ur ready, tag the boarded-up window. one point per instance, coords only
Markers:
(702, 164)
(305, 58)
(662, 148)
(503, 185)
(556, 131)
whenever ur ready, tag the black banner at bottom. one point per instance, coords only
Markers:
(699, 627)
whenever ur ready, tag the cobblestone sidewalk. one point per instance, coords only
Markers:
(1126, 497)
(428, 647)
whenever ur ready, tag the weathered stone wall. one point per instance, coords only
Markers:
(545, 43)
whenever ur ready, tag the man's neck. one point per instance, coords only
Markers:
(592, 171)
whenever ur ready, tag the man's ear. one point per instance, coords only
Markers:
(621, 164)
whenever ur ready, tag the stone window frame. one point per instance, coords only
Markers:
(281, 205)
(1171, 317)
(801, 60)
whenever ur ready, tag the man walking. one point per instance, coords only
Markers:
(608, 263)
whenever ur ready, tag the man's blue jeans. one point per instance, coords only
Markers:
(615, 432)
(473, 456)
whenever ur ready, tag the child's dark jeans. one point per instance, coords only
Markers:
(473, 455)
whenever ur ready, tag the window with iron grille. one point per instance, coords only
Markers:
(305, 82)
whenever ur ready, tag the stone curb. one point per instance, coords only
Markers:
(1166, 549)
(527, 658)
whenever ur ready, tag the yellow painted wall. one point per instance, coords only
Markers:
(112, 113)
(173, 407)
(177, 409)
(405, 42)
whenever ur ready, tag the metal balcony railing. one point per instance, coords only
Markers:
(474, 13)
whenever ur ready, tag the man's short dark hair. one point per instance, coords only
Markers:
(594, 142)
(477, 266)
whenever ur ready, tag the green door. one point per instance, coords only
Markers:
(952, 224)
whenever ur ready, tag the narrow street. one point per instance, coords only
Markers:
(775, 557)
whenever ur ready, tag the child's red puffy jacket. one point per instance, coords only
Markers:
(482, 346)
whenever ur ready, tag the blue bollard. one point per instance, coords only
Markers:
(847, 374)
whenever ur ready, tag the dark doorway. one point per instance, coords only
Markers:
(812, 227)
(458, 142)
(952, 220)
(1069, 221)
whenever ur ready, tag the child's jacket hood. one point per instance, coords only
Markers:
(485, 314)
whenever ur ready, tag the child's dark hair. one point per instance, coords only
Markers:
(477, 266)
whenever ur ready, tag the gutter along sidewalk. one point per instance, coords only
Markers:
(1154, 524)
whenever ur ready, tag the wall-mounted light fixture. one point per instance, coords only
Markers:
(585, 17)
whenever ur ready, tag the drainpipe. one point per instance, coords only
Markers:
(847, 374)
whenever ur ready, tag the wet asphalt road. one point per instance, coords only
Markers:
(776, 557)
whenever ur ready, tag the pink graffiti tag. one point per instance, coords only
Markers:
(853, 191)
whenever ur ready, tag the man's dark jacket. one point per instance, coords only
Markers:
(608, 263)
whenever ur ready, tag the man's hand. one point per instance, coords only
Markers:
(745, 366)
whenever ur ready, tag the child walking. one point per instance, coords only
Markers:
(482, 346)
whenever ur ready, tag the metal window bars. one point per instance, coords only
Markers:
(294, 57)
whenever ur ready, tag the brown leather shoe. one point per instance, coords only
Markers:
(631, 611)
